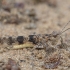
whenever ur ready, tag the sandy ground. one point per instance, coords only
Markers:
(50, 19)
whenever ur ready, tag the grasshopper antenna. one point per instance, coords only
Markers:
(62, 31)
(65, 30)
(65, 26)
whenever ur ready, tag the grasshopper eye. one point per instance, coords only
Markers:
(55, 34)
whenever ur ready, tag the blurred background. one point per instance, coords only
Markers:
(24, 17)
